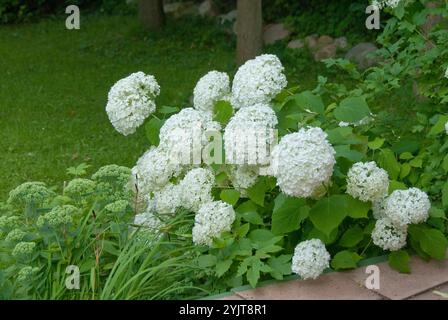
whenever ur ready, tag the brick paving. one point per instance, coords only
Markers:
(420, 284)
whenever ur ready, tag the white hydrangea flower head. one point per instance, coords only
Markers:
(380, 4)
(212, 219)
(404, 207)
(212, 87)
(167, 200)
(366, 181)
(196, 188)
(388, 236)
(148, 221)
(184, 134)
(243, 177)
(258, 81)
(446, 73)
(154, 170)
(310, 259)
(378, 209)
(303, 163)
(131, 101)
(446, 126)
(250, 134)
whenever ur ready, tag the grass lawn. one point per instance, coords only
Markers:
(55, 81)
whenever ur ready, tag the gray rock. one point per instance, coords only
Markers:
(326, 52)
(275, 32)
(341, 43)
(296, 44)
(361, 54)
(208, 9)
(311, 41)
(324, 40)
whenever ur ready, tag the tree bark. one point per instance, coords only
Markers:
(151, 14)
(249, 30)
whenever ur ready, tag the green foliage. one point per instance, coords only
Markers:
(399, 260)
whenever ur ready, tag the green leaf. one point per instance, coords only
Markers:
(326, 239)
(206, 261)
(351, 237)
(253, 273)
(222, 111)
(431, 241)
(168, 110)
(388, 162)
(246, 206)
(376, 143)
(280, 266)
(288, 213)
(243, 230)
(399, 260)
(152, 129)
(252, 217)
(445, 195)
(356, 208)
(396, 185)
(329, 212)
(223, 266)
(257, 192)
(345, 260)
(439, 127)
(344, 151)
(352, 109)
(230, 196)
(308, 101)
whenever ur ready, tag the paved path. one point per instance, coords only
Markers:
(425, 278)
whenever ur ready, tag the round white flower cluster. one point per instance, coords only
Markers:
(167, 200)
(388, 236)
(212, 219)
(154, 170)
(404, 207)
(183, 134)
(310, 259)
(196, 188)
(131, 101)
(243, 177)
(258, 81)
(378, 207)
(212, 87)
(380, 4)
(367, 182)
(249, 135)
(148, 221)
(303, 162)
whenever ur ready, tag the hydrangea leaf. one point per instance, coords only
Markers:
(399, 260)
(230, 196)
(351, 237)
(152, 129)
(222, 112)
(345, 260)
(352, 109)
(309, 101)
(288, 213)
(329, 212)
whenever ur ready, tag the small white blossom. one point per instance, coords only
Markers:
(404, 207)
(211, 220)
(212, 87)
(250, 134)
(258, 81)
(303, 163)
(154, 170)
(196, 188)
(367, 182)
(243, 177)
(131, 101)
(310, 259)
(388, 236)
(167, 200)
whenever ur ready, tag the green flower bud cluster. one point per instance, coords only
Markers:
(30, 193)
(8, 223)
(79, 187)
(16, 235)
(112, 182)
(26, 274)
(23, 249)
(119, 206)
(57, 217)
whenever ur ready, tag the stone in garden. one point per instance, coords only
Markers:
(311, 41)
(179, 9)
(361, 54)
(228, 17)
(296, 44)
(324, 41)
(341, 43)
(208, 9)
(326, 52)
(275, 32)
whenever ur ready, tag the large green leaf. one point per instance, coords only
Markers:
(152, 129)
(288, 213)
(329, 212)
(388, 162)
(309, 101)
(222, 111)
(345, 260)
(431, 241)
(399, 260)
(351, 237)
(352, 109)
(356, 208)
(230, 196)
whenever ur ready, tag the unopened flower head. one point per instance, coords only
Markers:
(250, 135)
(58, 216)
(7, 223)
(303, 163)
(26, 273)
(212, 87)
(80, 187)
(23, 249)
(112, 181)
(131, 101)
(366, 181)
(15, 235)
(310, 259)
(388, 236)
(196, 188)
(211, 221)
(258, 81)
(30, 193)
(404, 207)
(117, 207)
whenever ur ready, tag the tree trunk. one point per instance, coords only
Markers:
(249, 30)
(151, 14)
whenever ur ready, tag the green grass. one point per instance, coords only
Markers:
(54, 86)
